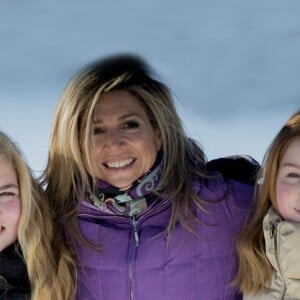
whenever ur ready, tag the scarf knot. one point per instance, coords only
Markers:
(131, 201)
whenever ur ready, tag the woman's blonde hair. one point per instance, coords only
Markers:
(51, 269)
(69, 159)
(255, 270)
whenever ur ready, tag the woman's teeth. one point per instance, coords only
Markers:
(119, 164)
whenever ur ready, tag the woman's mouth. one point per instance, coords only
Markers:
(119, 164)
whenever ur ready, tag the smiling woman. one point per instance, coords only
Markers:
(125, 143)
(132, 191)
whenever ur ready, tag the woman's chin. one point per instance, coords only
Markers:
(121, 184)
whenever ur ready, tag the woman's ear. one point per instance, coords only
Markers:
(158, 139)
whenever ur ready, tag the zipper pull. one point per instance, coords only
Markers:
(134, 223)
(273, 233)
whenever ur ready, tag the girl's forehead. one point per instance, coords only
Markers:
(7, 171)
(292, 152)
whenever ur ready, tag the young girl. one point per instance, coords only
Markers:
(32, 264)
(269, 256)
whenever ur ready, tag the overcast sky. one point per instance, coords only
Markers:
(233, 66)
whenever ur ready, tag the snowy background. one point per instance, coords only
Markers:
(233, 65)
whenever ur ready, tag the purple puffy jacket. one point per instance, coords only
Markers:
(190, 266)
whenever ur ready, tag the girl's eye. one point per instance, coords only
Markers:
(130, 125)
(98, 130)
(7, 194)
(293, 175)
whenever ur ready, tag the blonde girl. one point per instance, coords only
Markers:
(34, 262)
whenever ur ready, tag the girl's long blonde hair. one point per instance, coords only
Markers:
(69, 158)
(255, 270)
(51, 269)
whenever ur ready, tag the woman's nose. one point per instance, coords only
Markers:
(113, 138)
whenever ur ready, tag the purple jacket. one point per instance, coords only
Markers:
(191, 266)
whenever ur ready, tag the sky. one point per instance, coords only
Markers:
(233, 66)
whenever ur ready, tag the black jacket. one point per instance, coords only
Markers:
(243, 168)
(14, 283)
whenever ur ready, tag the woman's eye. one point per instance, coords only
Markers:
(130, 125)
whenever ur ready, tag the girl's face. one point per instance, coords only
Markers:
(288, 183)
(125, 144)
(10, 206)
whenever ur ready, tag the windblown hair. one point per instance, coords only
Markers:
(69, 170)
(255, 270)
(51, 269)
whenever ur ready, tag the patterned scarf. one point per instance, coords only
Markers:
(133, 200)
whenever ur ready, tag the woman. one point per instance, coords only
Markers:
(144, 217)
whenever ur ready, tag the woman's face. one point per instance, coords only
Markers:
(10, 206)
(288, 183)
(125, 144)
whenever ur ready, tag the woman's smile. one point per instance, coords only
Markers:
(118, 164)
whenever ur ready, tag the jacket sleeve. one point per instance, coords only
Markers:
(243, 168)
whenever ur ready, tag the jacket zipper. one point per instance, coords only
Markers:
(130, 281)
(136, 239)
(134, 223)
(133, 247)
(274, 250)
